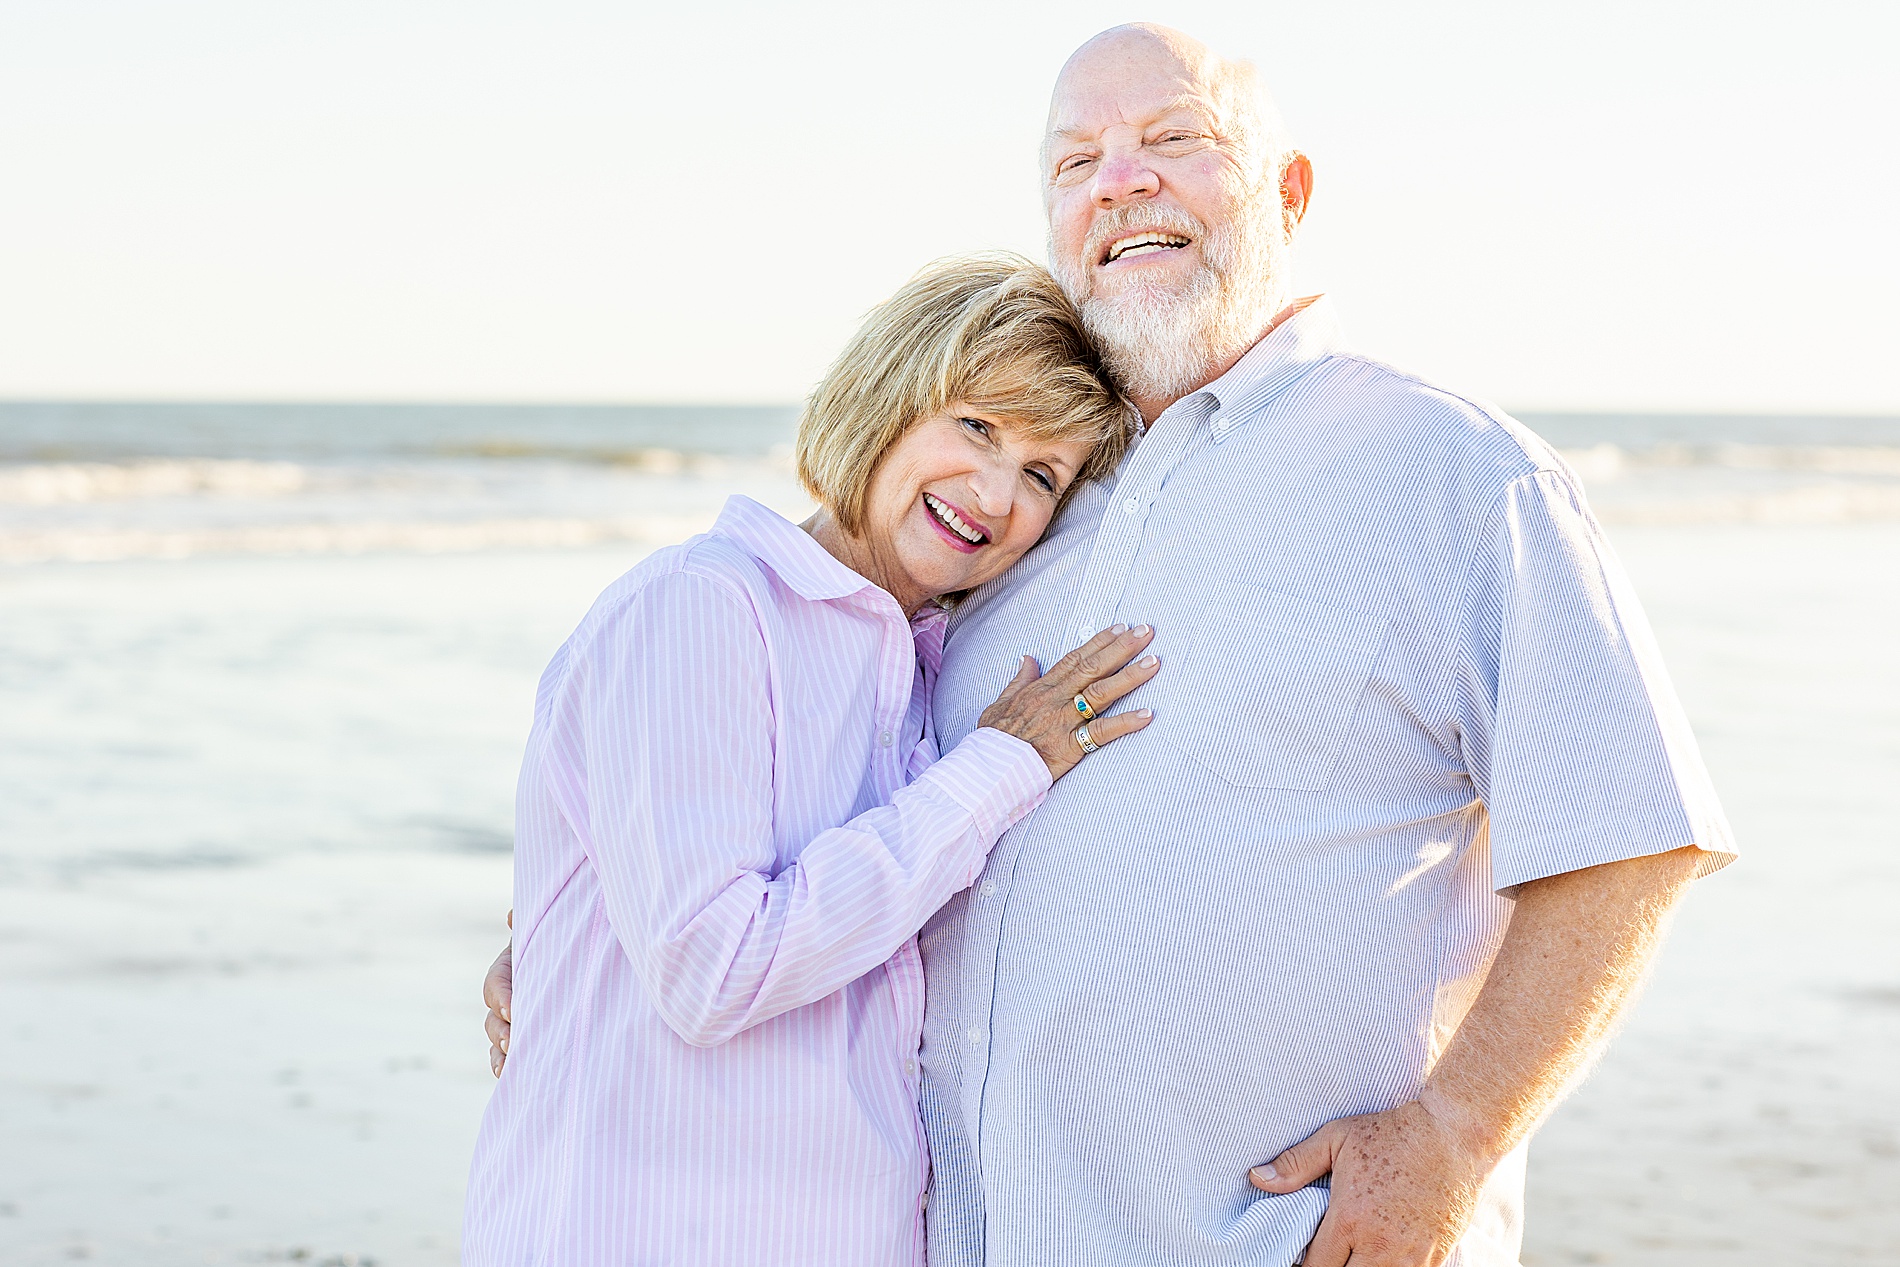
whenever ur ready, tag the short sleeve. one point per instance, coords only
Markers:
(1571, 731)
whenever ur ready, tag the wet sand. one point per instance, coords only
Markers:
(258, 1041)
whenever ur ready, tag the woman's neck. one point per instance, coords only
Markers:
(858, 555)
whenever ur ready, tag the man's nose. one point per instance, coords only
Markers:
(1123, 178)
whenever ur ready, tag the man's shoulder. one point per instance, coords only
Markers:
(1425, 423)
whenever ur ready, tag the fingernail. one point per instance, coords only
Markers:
(1119, 629)
(1144, 630)
(1149, 662)
(504, 1045)
(1265, 1174)
(494, 1063)
(504, 1014)
(1144, 713)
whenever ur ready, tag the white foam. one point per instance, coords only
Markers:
(47, 483)
(92, 545)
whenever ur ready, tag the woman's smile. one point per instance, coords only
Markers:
(956, 525)
(953, 503)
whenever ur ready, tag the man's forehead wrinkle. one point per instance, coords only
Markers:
(1108, 66)
(1204, 107)
(1133, 105)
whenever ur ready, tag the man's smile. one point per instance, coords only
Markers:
(1147, 243)
(967, 534)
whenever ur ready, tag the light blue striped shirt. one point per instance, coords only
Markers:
(1402, 670)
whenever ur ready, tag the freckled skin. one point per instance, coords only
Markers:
(1406, 1181)
(1136, 115)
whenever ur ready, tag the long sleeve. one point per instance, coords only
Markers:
(673, 711)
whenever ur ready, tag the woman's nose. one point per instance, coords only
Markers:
(994, 491)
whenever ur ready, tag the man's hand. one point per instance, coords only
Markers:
(1403, 1188)
(498, 992)
(1405, 1181)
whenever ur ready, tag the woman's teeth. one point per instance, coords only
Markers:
(953, 521)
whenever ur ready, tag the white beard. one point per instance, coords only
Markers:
(1162, 341)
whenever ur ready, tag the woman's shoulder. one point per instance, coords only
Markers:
(707, 579)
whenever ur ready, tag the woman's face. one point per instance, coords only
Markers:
(958, 499)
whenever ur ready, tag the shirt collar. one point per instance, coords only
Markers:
(812, 572)
(1297, 344)
(798, 560)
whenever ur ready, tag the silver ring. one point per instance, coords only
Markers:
(1088, 744)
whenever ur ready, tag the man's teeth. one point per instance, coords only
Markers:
(953, 521)
(1145, 244)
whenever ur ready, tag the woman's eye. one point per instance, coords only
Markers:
(1042, 480)
(976, 425)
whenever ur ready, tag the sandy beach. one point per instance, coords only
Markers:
(255, 861)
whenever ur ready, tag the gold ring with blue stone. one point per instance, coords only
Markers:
(1082, 707)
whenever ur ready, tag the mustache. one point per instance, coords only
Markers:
(1156, 217)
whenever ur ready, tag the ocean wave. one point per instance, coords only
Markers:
(49, 483)
(1804, 504)
(96, 545)
(177, 508)
(1603, 462)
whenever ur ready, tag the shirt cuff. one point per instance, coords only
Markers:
(998, 778)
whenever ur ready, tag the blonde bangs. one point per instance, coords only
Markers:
(993, 331)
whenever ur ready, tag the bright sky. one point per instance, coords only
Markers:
(1660, 204)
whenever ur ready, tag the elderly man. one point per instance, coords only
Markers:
(1300, 973)
(1417, 799)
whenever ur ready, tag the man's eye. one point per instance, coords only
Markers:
(1074, 163)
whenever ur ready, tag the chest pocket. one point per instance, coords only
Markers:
(1267, 694)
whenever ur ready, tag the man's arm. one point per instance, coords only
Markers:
(1405, 1181)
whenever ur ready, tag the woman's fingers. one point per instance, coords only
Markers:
(1100, 656)
(1026, 672)
(497, 1030)
(1106, 730)
(1111, 688)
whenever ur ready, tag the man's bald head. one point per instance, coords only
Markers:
(1172, 200)
(1147, 51)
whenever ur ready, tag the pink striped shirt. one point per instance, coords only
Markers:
(730, 825)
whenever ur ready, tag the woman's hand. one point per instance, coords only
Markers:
(498, 992)
(1039, 708)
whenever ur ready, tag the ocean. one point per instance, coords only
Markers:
(265, 673)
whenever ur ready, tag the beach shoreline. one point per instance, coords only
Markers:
(245, 1024)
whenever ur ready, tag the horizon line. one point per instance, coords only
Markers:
(367, 402)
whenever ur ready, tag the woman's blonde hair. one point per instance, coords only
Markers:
(992, 331)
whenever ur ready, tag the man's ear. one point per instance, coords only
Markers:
(1296, 190)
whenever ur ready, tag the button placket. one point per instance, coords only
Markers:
(1118, 539)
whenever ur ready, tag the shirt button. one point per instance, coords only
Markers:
(1132, 505)
(910, 1068)
(885, 739)
(988, 889)
(974, 1034)
(1220, 424)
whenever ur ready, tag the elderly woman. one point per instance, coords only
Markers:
(733, 817)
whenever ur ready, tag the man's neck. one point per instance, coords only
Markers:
(1151, 407)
